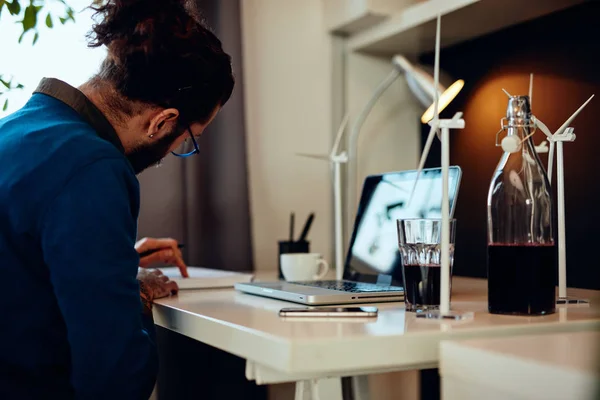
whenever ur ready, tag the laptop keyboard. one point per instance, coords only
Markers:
(348, 286)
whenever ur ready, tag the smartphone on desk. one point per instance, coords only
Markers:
(329, 312)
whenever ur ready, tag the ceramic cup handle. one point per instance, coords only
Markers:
(323, 269)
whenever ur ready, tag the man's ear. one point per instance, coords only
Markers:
(162, 122)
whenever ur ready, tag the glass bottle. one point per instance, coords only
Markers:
(521, 254)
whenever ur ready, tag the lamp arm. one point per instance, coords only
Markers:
(352, 166)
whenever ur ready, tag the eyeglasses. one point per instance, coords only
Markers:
(186, 147)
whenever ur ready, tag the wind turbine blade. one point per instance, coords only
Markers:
(543, 128)
(400, 188)
(434, 122)
(430, 136)
(432, 132)
(550, 161)
(314, 156)
(436, 70)
(572, 117)
(530, 90)
(340, 133)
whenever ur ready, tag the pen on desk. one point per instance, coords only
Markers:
(148, 252)
(291, 227)
(306, 227)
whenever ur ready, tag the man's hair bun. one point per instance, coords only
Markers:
(161, 53)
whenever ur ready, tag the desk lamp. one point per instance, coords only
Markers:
(422, 86)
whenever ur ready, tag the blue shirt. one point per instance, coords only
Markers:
(72, 321)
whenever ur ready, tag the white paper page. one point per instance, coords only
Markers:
(200, 278)
(199, 272)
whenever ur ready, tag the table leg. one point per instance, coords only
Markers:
(319, 389)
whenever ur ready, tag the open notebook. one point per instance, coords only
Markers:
(204, 278)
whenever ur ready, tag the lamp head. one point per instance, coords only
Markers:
(444, 99)
(422, 86)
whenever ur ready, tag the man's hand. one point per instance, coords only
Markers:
(156, 285)
(167, 253)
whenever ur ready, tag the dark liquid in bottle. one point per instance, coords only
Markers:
(422, 284)
(521, 279)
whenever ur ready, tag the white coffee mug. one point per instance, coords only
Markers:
(303, 266)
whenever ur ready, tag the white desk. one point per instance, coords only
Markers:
(286, 351)
(536, 367)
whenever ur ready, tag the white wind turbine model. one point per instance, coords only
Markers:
(443, 125)
(562, 135)
(336, 158)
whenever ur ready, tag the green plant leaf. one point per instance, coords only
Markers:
(30, 18)
(35, 38)
(5, 106)
(19, 86)
(5, 83)
(21, 37)
(62, 20)
(49, 23)
(14, 8)
(70, 15)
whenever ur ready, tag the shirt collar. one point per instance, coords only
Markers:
(75, 99)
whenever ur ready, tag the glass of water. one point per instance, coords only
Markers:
(420, 246)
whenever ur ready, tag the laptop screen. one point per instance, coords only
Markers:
(373, 252)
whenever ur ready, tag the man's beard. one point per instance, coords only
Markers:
(147, 155)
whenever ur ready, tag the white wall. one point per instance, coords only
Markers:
(287, 75)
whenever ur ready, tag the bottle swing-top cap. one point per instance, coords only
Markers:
(511, 144)
(518, 109)
(518, 115)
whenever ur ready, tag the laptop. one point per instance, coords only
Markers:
(373, 267)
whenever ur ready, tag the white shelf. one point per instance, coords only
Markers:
(412, 30)
(346, 17)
